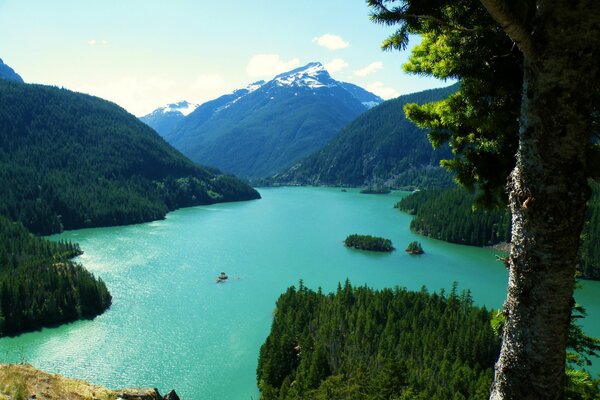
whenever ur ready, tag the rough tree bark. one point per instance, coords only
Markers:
(548, 191)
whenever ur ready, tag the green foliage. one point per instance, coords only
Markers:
(381, 145)
(480, 121)
(447, 214)
(40, 286)
(359, 343)
(69, 160)
(376, 190)
(581, 386)
(414, 248)
(368, 242)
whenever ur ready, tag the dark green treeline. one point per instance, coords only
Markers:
(69, 160)
(359, 343)
(40, 285)
(447, 214)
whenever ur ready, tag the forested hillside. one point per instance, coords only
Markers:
(380, 146)
(447, 214)
(8, 73)
(259, 130)
(363, 344)
(40, 285)
(69, 160)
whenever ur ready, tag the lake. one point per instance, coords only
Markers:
(172, 326)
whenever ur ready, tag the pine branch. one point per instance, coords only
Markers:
(514, 27)
(439, 22)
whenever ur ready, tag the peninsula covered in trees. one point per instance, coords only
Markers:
(39, 284)
(364, 344)
(448, 214)
(368, 242)
(358, 343)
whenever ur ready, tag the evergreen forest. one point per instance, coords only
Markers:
(448, 214)
(358, 343)
(39, 284)
(70, 160)
(363, 344)
(381, 146)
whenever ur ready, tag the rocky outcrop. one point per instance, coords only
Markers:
(171, 396)
(147, 394)
(26, 382)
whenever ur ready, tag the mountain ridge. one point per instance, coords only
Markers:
(163, 119)
(69, 160)
(379, 147)
(6, 72)
(262, 128)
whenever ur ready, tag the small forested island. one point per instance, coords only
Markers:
(376, 190)
(414, 248)
(368, 242)
(40, 285)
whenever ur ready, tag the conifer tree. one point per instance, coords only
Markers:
(530, 82)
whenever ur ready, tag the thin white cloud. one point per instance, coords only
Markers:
(369, 69)
(93, 42)
(381, 90)
(142, 94)
(335, 65)
(331, 42)
(268, 65)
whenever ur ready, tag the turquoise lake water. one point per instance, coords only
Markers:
(172, 326)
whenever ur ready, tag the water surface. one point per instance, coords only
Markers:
(172, 326)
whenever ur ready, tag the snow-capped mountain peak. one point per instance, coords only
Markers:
(183, 107)
(313, 75)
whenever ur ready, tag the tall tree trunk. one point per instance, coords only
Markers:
(548, 193)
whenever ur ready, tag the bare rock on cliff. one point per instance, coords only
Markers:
(24, 381)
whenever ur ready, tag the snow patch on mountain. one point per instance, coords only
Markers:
(313, 76)
(371, 104)
(183, 107)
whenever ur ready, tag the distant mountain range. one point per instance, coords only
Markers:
(70, 160)
(380, 147)
(164, 119)
(8, 73)
(259, 130)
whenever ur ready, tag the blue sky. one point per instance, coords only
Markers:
(144, 54)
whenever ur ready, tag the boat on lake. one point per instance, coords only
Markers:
(222, 277)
